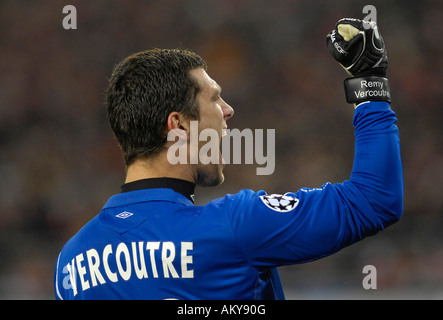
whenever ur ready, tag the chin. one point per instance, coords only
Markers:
(210, 178)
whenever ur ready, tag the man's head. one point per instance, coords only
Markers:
(143, 90)
(155, 91)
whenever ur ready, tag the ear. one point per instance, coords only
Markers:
(176, 120)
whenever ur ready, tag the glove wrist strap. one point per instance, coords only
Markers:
(367, 88)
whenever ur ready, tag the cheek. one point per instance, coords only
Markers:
(217, 117)
(221, 113)
(211, 118)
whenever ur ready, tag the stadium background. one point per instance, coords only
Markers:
(59, 162)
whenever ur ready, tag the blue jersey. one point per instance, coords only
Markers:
(152, 242)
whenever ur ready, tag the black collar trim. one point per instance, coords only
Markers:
(183, 187)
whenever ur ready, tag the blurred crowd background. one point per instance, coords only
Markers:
(59, 162)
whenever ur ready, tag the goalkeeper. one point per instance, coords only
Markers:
(151, 242)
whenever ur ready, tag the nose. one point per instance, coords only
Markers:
(228, 111)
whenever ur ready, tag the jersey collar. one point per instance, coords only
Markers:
(183, 187)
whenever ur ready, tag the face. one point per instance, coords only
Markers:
(214, 113)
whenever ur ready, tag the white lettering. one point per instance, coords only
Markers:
(72, 277)
(140, 272)
(185, 259)
(370, 281)
(70, 21)
(193, 142)
(93, 267)
(111, 275)
(180, 147)
(194, 310)
(212, 147)
(128, 258)
(209, 152)
(371, 17)
(167, 259)
(122, 248)
(340, 49)
(372, 93)
(152, 246)
(269, 160)
(66, 283)
(371, 84)
(237, 136)
(81, 272)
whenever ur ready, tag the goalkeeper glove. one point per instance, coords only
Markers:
(359, 48)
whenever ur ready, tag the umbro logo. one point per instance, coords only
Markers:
(124, 215)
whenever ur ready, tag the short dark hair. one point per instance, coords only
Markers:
(143, 90)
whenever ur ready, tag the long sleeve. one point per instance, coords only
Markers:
(314, 222)
(377, 170)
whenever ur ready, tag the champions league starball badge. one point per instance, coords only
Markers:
(280, 203)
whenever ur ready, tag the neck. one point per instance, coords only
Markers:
(157, 167)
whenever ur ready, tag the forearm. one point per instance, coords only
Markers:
(377, 170)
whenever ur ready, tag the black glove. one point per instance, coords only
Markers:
(359, 48)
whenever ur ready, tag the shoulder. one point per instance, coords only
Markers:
(82, 239)
(249, 200)
(239, 201)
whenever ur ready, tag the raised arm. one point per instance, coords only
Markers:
(312, 223)
(360, 49)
